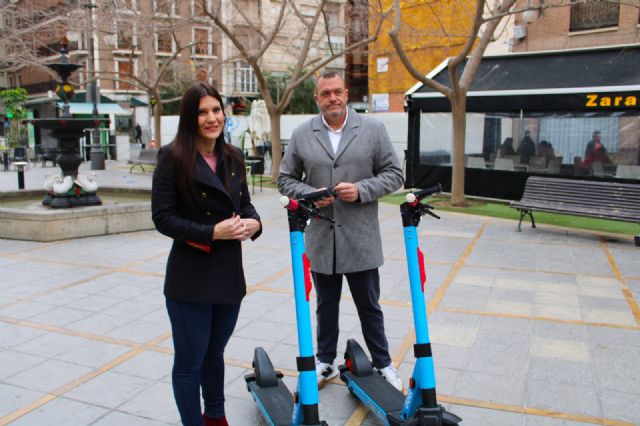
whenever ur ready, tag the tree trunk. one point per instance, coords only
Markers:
(459, 127)
(276, 146)
(157, 119)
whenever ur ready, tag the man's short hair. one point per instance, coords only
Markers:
(329, 74)
(597, 132)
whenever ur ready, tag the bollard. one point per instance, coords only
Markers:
(20, 165)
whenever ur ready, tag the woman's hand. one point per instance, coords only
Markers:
(252, 226)
(230, 229)
(235, 228)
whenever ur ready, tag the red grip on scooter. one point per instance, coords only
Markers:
(307, 275)
(423, 274)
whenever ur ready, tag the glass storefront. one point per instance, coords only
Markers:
(593, 144)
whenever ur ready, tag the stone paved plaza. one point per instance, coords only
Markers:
(538, 328)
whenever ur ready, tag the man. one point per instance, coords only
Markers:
(353, 155)
(526, 148)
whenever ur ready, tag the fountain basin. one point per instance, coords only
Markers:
(22, 216)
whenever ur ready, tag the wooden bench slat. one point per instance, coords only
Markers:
(605, 200)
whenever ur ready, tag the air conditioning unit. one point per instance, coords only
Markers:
(519, 31)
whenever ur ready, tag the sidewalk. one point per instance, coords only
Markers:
(536, 328)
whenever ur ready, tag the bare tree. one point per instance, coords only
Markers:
(30, 33)
(292, 31)
(485, 22)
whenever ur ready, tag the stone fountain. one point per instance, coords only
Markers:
(70, 189)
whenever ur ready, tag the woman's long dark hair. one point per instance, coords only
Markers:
(184, 146)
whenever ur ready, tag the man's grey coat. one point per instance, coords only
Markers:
(365, 157)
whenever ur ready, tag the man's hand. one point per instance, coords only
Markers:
(324, 202)
(347, 191)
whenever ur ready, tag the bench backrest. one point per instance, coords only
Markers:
(148, 154)
(584, 194)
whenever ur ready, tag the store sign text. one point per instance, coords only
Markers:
(595, 101)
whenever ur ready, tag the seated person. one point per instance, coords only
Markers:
(507, 148)
(526, 148)
(545, 149)
(595, 151)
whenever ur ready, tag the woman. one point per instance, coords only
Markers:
(200, 199)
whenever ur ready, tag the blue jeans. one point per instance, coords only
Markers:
(200, 333)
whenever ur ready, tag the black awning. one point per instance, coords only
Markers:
(549, 81)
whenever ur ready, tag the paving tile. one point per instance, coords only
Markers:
(116, 418)
(604, 316)
(148, 365)
(580, 400)
(486, 417)
(559, 349)
(122, 388)
(621, 406)
(13, 362)
(48, 375)
(62, 411)
(490, 387)
(16, 335)
(15, 397)
(509, 307)
(155, 402)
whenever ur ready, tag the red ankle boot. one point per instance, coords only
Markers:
(209, 421)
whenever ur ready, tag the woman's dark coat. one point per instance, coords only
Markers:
(193, 274)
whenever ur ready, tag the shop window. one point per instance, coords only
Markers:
(593, 15)
(551, 144)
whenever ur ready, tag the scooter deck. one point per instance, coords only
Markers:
(276, 400)
(388, 398)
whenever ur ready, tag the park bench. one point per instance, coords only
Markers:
(147, 157)
(604, 200)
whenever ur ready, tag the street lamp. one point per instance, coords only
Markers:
(96, 154)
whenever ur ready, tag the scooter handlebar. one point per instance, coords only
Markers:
(412, 197)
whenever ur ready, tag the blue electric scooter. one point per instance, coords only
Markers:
(419, 407)
(278, 406)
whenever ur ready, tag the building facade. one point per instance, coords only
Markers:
(575, 25)
(429, 35)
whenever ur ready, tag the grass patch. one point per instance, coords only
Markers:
(503, 211)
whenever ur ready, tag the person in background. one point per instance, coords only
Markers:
(138, 138)
(200, 199)
(526, 148)
(353, 155)
(507, 148)
(595, 151)
(545, 149)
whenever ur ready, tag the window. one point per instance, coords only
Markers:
(196, 7)
(125, 36)
(163, 7)
(593, 15)
(164, 41)
(336, 44)
(125, 72)
(245, 79)
(332, 20)
(202, 44)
